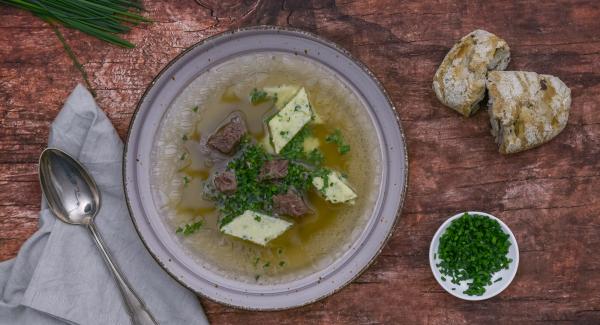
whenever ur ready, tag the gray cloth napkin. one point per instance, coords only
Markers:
(59, 277)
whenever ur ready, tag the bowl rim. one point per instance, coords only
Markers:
(506, 282)
(300, 33)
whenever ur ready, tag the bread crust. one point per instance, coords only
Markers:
(459, 82)
(526, 109)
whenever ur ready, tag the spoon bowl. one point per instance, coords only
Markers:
(71, 193)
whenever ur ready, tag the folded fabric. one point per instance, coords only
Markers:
(59, 277)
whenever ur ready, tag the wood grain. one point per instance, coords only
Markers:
(547, 195)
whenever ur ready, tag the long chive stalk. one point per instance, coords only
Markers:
(74, 59)
(103, 19)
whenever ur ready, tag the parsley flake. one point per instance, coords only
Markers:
(337, 139)
(258, 96)
(189, 228)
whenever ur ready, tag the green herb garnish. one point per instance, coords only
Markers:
(473, 247)
(315, 157)
(323, 173)
(195, 109)
(258, 96)
(266, 265)
(298, 177)
(294, 150)
(337, 139)
(189, 229)
(253, 194)
(344, 149)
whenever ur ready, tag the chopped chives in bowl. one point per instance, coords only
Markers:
(473, 248)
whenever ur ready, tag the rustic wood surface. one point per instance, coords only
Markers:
(548, 196)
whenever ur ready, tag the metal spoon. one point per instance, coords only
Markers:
(74, 198)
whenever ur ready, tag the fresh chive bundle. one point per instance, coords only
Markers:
(103, 19)
(473, 247)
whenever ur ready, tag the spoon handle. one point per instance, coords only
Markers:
(137, 310)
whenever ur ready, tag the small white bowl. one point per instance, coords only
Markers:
(490, 290)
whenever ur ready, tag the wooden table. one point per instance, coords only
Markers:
(548, 196)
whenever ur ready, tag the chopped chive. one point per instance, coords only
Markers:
(474, 247)
(258, 96)
(337, 139)
(189, 228)
(102, 19)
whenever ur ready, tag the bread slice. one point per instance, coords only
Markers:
(459, 82)
(526, 109)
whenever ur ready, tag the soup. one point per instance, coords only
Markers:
(266, 168)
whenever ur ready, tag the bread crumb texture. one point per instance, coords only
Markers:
(459, 82)
(526, 109)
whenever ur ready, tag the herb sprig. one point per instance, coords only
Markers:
(473, 247)
(337, 139)
(189, 228)
(294, 150)
(258, 96)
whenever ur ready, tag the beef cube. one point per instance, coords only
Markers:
(290, 203)
(226, 182)
(228, 136)
(273, 169)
